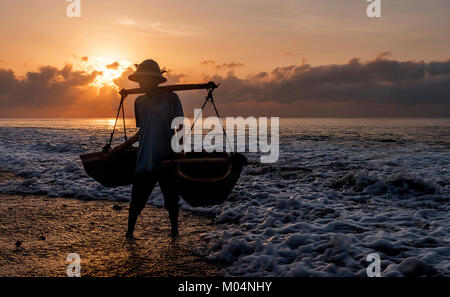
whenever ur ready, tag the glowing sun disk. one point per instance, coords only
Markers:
(107, 70)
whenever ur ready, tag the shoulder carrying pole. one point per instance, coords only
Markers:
(174, 88)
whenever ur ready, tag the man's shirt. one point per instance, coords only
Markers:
(154, 114)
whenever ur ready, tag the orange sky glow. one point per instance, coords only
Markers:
(200, 40)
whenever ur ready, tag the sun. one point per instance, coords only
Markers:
(108, 69)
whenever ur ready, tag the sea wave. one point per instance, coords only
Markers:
(320, 210)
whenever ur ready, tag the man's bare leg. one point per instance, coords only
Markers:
(142, 188)
(135, 209)
(173, 215)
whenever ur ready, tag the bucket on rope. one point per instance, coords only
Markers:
(204, 179)
(111, 169)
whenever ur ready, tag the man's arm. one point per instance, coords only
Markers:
(128, 143)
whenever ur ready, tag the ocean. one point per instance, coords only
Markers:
(341, 189)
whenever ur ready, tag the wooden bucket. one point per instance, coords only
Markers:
(204, 179)
(112, 169)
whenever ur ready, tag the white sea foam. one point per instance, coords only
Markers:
(342, 189)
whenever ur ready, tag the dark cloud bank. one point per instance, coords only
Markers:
(376, 88)
(53, 92)
(357, 89)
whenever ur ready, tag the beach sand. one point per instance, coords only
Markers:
(38, 233)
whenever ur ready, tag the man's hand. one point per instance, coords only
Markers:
(127, 143)
(121, 147)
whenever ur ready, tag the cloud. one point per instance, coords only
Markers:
(225, 66)
(113, 66)
(127, 22)
(374, 88)
(123, 81)
(439, 68)
(175, 77)
(383, 56)
(231, 65)
(159, 27)
(208, 62)
(48, 86)
(54, 92)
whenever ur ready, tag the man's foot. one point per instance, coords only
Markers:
(129, 235)
(173, 215)
(174, 232)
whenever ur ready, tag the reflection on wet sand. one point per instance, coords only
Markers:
(49, 229)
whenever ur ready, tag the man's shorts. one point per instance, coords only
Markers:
(145, 182)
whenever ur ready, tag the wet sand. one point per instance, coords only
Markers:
(37, 233)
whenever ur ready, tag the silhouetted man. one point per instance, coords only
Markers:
(154, 113)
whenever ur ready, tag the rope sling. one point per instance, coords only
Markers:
(210, 87)
(121, 107)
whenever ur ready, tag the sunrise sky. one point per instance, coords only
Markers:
(286, 57)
